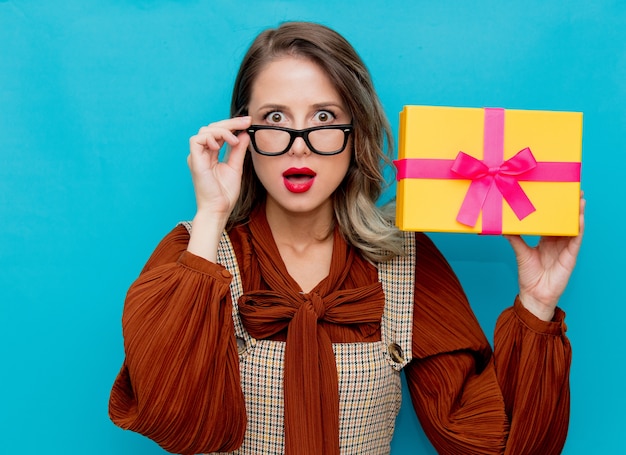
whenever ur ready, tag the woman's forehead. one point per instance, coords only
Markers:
(288, 80)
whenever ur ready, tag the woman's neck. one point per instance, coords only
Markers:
(300, 230)
(305, 243)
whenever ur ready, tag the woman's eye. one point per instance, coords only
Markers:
(324, 116)
(274, 117)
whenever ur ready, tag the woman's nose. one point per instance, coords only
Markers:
(299, 147)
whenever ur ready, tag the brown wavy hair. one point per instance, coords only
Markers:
(361, 221)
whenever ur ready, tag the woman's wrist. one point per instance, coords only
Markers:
(543, 311)
(556, 326)
(206, 232)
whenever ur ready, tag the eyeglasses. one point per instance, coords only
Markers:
(323, 140)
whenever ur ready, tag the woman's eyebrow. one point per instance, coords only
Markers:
(328, 104)
(277, 107)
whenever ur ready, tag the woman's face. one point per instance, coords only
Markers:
(295, 93)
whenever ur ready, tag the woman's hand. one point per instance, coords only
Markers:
(544, 270)
(217, 184)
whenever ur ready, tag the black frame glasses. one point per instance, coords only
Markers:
(304, 134)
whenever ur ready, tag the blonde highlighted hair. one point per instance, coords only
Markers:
(361, 221)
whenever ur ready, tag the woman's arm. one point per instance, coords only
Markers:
(470, 401)
(179, 384)
(532, 362)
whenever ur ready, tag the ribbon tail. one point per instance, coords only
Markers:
(473, 201)
(515, 196)
(303, 410)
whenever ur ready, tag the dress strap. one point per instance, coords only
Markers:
(398, 279)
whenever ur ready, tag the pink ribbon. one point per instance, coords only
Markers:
(492, 179)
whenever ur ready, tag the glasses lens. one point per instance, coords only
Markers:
(271, 141)
(327, 140)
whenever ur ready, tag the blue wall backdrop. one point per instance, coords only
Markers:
(98, 100)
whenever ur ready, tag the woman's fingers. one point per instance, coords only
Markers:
(204, 147)
(213, 136)
(581, 217)
(238, 152)
(519, 245)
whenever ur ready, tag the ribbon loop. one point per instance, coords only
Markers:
(522, 162)
(469, 167)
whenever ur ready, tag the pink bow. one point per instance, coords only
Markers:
(503, 178)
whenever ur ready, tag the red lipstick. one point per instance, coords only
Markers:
(298, 180)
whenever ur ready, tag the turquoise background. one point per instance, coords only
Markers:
(98, 100)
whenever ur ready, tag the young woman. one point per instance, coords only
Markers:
(279, 320)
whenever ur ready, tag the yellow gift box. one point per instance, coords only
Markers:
(489, 171)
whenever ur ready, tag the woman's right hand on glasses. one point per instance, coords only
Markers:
(216, 183)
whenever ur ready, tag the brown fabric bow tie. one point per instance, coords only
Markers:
(311, 391)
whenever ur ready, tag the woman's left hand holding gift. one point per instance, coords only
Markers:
(544, 270)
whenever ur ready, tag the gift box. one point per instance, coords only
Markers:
(489, 171)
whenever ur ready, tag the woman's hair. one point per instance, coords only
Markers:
(361, 221)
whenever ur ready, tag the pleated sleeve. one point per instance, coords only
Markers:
(470, 399)
(179, 384)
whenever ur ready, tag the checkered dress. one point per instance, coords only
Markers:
(368, 373)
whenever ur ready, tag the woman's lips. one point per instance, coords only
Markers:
(298, 180)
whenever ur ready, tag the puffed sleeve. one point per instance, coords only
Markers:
(179, 383)
(469, 399)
